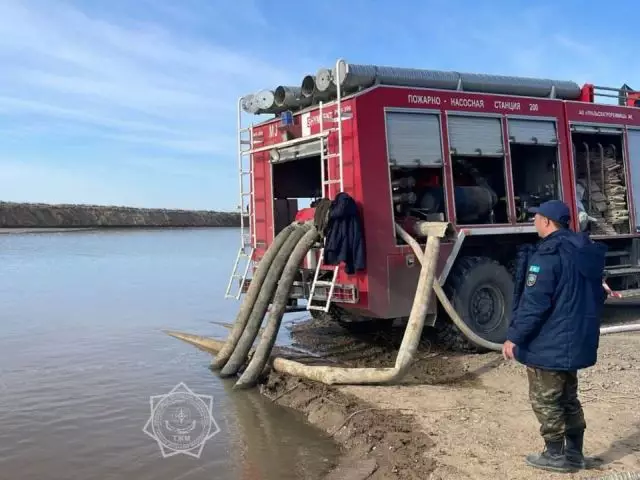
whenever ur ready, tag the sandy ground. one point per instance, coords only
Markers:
(460, 416)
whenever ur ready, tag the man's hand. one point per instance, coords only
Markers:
(507, 350)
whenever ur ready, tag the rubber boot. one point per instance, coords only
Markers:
(552, 458)
(573, 451)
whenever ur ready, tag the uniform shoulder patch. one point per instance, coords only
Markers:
(532, 278)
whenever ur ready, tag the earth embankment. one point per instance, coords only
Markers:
(37, 215)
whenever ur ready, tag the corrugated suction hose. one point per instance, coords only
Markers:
(336, 375)
(261, 355)
(250, 297)
(286, 253)
(239, 355)
(470, 334)
(464, 328)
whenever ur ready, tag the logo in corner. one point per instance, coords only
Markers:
(181, 421)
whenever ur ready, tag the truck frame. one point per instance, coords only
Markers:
(472, 150)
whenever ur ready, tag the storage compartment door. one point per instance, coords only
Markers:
(414, 139)
(476, 136)
(634, 165)
(532, 132)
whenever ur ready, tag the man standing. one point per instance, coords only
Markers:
(555, 331)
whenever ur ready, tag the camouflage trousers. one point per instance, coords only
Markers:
(554, 399)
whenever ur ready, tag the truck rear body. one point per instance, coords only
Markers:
(476, 160)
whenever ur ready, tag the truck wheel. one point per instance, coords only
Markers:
(481, 291)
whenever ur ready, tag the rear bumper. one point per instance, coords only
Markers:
(301, 290)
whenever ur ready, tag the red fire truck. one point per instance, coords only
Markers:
(474, 150)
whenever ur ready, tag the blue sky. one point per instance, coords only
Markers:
(133, 102)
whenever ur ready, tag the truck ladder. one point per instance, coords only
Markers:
(326, 159)
(247, 209)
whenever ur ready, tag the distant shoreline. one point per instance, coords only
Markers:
(30, 217)
(21, 231)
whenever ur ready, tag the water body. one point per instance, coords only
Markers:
(82, 352)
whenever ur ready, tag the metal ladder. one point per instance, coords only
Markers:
(325, 170)
(247, 201)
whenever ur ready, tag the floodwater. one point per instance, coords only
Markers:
(82, 352)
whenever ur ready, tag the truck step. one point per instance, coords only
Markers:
(621, 272)
(631, 293)
(617, 253)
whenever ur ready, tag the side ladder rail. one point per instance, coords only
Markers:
(622, 94)
(325, 157)
(247, 240)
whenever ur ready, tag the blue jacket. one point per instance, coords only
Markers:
(556, 320)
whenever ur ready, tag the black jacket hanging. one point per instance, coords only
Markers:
(344, 235)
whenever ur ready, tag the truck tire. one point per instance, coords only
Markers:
(481, 291)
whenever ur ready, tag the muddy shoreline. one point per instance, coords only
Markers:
(456, 416)
(376, 443)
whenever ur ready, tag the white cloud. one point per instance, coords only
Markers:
(152, 85)
(140, 81)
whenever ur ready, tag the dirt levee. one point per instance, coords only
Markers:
(35, 215)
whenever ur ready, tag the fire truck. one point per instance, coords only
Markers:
(474, 150)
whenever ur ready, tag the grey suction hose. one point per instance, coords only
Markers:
(261, 355)
(619, 476)
(239, 355)
(410, 340)
(250, 298)
(206, 344)
(632, 327)
(470, 334)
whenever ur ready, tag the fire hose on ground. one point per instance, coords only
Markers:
(619, 476)
(271, 283)
(340, 375)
